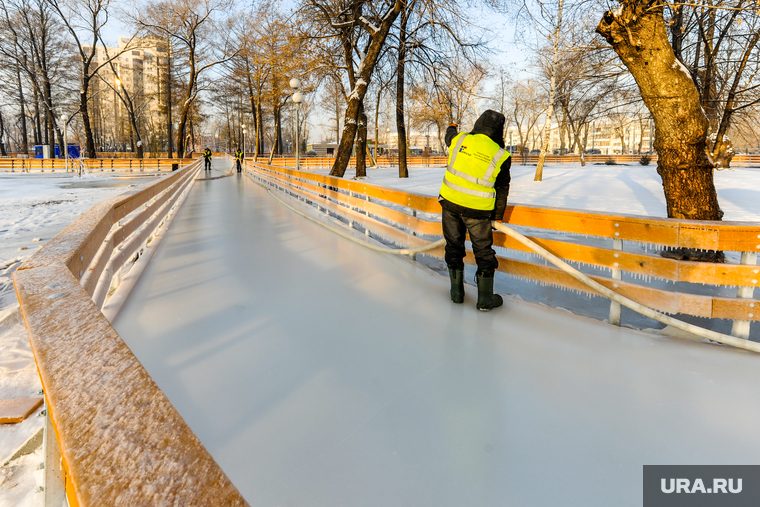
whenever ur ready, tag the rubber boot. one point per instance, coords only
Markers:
(487, 300)
(456, 275)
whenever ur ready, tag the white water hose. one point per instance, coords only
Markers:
(628, 303)
(601, 289)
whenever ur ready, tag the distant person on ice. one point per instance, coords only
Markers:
(474, 192)
(238, 159)
(207, 158)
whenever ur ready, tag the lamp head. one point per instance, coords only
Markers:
(295, 83)
(298, 97)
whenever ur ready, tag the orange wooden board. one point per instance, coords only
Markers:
(15, 411)
(708, 235)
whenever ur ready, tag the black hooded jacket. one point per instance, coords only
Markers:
(491, 124)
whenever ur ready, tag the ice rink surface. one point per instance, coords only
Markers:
(320, 373)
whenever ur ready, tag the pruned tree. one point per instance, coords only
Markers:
(84, 20)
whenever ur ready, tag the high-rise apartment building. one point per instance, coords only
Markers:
(139, 71)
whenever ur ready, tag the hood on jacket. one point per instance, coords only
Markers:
(491, 124)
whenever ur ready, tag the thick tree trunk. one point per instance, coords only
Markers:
(403, 171)
(278, 130)
(168, 87)
(637, 33)
(259, 129)
(37, 120)
(83, 109)
(361, 146)
(2, 135)
(22, 117)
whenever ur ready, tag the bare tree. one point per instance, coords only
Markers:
(30, 41)
(189, 25)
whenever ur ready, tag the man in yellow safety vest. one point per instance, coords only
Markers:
(238, 159)
(207, 158)
(474, 192)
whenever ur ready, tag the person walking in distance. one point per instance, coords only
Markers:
(238, 159)
(474, 192)
(207, 158)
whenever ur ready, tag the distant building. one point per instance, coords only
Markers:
(323, 149)
(142, 69)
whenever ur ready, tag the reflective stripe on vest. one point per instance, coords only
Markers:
(454, 186)
(474, 192)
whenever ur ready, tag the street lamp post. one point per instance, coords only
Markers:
(295, 83)
(245, 131)
(64, 119)
(388, 144)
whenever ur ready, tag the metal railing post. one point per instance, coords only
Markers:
(740, 328)
(54, 484)
(615, 308)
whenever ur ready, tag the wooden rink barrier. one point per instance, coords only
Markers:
(112, 437)
(397, 217)
(127, 161)
(91, 164)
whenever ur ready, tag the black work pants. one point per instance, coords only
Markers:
(455, 229)
(207, 165)
(237, 165)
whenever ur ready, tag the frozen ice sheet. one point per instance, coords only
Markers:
(320, 373)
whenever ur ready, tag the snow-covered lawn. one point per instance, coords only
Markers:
(33, 209)
(630, 190)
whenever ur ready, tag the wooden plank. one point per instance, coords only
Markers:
(643, 264)
(16, 410)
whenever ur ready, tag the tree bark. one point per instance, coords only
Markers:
(168, 87)
(361, 148)
(638, 34)
(259, 129)
(22, 117)
(403, 171)
(2, 134)
(83, 109)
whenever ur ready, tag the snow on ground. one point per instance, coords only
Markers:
(623, 189)
(33, 209)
